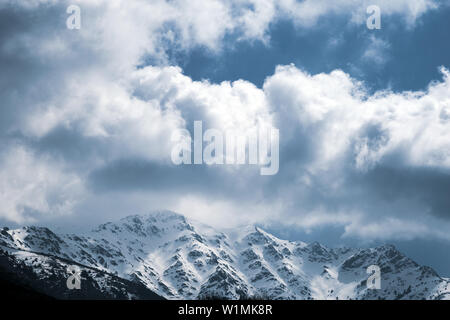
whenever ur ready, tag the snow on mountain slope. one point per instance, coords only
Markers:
(180, 259)
(45, 274)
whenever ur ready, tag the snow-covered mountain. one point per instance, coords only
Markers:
(182, 259)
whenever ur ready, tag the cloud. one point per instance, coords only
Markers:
(33, 186)
(308, 12)
(371, 156)
(86, 122)
(371, 128)
(377, 52)
(347, 157)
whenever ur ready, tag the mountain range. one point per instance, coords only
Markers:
(164, 255)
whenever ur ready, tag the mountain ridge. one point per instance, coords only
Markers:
(183, 259)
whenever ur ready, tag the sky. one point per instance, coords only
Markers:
(87, 116)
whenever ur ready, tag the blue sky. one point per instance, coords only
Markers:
(412, 58)
(88, 114)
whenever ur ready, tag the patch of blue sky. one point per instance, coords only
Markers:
(396, 57)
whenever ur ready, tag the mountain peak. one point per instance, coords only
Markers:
(159, 215)
(147, 224)
(179, 258)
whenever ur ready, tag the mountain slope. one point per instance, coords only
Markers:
(178, 258)
(42, 276)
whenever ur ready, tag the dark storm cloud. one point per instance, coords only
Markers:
(32, 73)
(65, 144)
(426, 186)
(138, 174)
